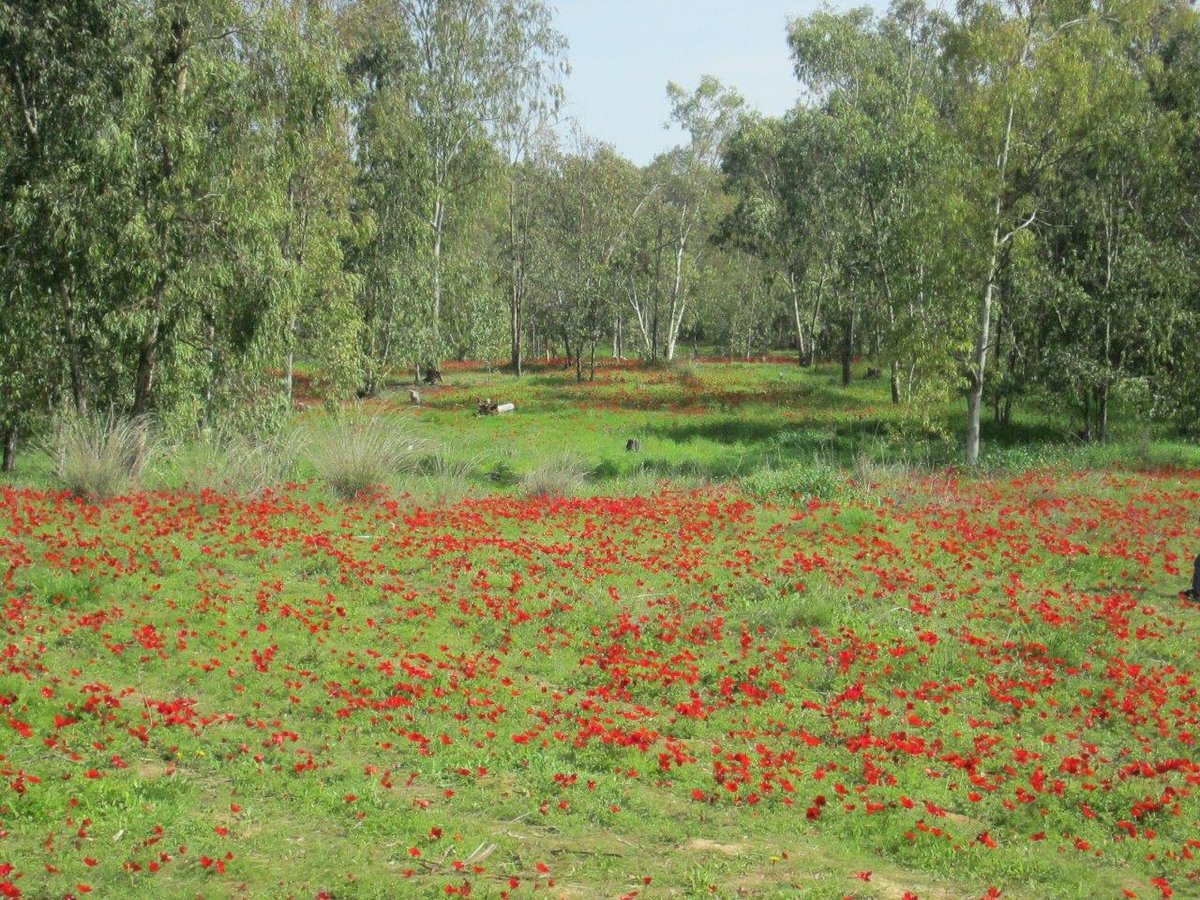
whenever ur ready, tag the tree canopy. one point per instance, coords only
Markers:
(994, 204)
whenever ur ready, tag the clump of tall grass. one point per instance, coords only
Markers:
(236, 463)
(445, 463)
(98, 457)
(686, 374)
(559, 477)
(363, 454)
(877, 479)
(445, 477)
(799, 480)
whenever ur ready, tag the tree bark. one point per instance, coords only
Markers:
(801, 351)
(678, 304)
(984, 315)
(847, 349)
(438, 217)
(71, 338)
(174, 68)
(515, 273)
(143, 381)
(657, 295)
(9, 462)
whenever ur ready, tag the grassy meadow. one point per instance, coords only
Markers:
(785, 650)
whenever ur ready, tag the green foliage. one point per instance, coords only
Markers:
(216, 211)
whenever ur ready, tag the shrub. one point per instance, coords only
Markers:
(357, 456)
(445, 478)
(443, 463)
(98, 457)
(686, 374)
(242, 464)
(560, 477)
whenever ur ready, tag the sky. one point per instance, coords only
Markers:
(623, 53)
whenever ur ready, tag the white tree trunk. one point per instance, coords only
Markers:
(983, 322)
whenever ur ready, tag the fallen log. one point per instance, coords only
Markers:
(489, 408)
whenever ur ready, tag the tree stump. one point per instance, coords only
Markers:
(633, 445)
(1193, 593)
(433, 376)
(414, 398)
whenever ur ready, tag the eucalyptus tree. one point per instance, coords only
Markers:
(520, 137)
(787, 212)
(301, 65)
(639, 260)
(1175, 218)
(388, 253)
(875, 89)
(1101, 235)
(1021, 97)
(690, 182)
(586, 206)
(64, 67)
(440, 85)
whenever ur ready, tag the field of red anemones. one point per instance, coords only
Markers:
(945, 689)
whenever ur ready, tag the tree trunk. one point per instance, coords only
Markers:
(801, 352)
(515, 301)
(71, 338)
(675, 317)
(567, 347)
(210, 349)
(657, 295)
(438, 219)
(174, 68)
(984, 317)
(143, 380)
(847, 349)
(9, 461)
(1102, 388)
(816, 316)
(289, 377)
(895, 383)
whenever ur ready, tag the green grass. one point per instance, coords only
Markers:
(787, 520)
(777, 425)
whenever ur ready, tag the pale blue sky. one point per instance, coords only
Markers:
(623, 53)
